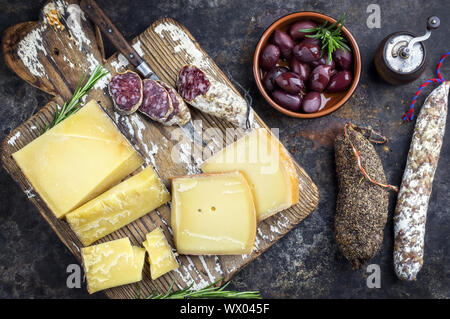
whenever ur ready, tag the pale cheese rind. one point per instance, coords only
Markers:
(213, 214)
(160, 255)
(119, 206)
(267, 166)
(112, 264)
(77, 160)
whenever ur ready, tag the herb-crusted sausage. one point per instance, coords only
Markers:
(362, 206)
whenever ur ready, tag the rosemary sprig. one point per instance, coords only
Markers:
(330, 36)
(72, 106)
(209, 292)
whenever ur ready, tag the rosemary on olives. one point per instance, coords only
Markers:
(304, 62)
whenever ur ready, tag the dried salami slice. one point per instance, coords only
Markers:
(203, 92)
(192, 82)
(126, 90)
(412, 204)
(180, 114)
(156, 103)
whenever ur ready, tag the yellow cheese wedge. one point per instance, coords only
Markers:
(119, 206)
(112, 264)
(213, 214)
(160, 255)
(268, 167)
(77, 160)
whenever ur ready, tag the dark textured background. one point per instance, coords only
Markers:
(306, 262)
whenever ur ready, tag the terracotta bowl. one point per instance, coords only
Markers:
(336, 99)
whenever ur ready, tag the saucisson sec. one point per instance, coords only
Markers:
(412, 203)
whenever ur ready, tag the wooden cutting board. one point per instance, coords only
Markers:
(54, 52)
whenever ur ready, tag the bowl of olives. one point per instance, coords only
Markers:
(307, 64)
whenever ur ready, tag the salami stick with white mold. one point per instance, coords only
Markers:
(412, 204)
(210, 96)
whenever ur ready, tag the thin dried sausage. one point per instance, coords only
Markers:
(412, 203)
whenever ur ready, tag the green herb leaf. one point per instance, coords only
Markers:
(330, 36)
(308, 30)
(69, 108)
(209, 292)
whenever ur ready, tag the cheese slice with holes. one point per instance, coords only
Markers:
(119, 206)
(213, 214)
(160, 255)
(112, 264)
(268, 167)
(77, 160)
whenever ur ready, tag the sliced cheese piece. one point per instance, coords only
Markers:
(119, 206)
(139, 259)
(268, 167)
(112, 264)
(78, 159)
(213, 214)
(160, 255)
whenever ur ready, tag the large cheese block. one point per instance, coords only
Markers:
(160, 255)
(112, 264)
(268, 167)
(119, 206)
(77, 160)
(213, 214)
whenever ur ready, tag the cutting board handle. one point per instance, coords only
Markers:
(54, 52)
(99, 17)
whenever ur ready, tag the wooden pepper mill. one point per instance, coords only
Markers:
(402, 56)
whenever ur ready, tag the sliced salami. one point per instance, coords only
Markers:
(203, 92)
(180, 114)
(156, 103)
(126, 90)
(412, 203)
(192, 82)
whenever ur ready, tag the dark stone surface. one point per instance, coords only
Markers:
(306, 262)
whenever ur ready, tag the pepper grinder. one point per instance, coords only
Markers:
(402, 56)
